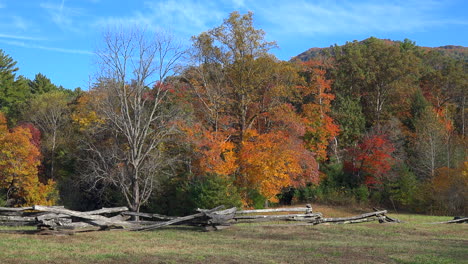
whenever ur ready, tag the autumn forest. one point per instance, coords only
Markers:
(166, 128)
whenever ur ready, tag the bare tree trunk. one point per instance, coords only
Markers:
(52, 158)
(335, 149)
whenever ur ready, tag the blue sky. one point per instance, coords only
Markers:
(58, 37)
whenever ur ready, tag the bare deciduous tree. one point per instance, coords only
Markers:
(429, 145)
(128, 150)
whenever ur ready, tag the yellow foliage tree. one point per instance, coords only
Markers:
(84, 114)
(272, 161)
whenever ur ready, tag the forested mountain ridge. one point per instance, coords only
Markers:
(454, 51)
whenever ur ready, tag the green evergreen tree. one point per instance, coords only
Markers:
(41, 84)
(348, 113)
(14, 91)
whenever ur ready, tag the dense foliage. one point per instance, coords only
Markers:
(371, 122)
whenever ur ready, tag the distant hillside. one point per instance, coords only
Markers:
(456, 52)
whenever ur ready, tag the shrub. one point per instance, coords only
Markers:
(2, 199)
(212, 190)
(306, 194)
(256, 200)
(401, 190)
(326, 195)
(184, 194)
(362, 194)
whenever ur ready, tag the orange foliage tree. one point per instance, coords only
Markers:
(215, 153)
(19, 161)
(267, 159)
(316, 98)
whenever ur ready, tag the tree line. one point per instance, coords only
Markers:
(225, 122)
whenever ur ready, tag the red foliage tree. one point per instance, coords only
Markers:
(371, 160)
(35, 134)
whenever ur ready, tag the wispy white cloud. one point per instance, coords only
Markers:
(187, 16)
(184, 17)
(300, 17)
(35, 46)
(332, 17)
(14, 23)
(19, 23)
(19, 37)
(62, 15)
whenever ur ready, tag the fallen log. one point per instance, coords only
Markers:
(176, 220)
(98, 218)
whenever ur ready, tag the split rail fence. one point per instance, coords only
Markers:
(50, 219)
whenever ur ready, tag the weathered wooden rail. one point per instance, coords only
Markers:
(456, 220)
(53, 219)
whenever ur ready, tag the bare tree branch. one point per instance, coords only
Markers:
(135, 105)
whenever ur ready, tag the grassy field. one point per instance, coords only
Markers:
(411, 242)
